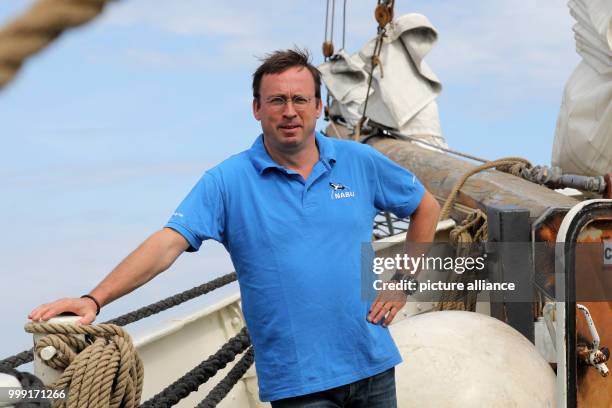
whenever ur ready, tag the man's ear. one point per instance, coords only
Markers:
(256, 107)
(319, 107)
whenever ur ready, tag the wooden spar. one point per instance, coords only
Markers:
(440, 171)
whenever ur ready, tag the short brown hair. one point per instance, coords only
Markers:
(280, 61)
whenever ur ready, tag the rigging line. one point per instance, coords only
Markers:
(326, 19)
(375, 54)
(331, 36)
(445, 149)
(343, 24)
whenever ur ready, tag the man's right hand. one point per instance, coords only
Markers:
(84, 307)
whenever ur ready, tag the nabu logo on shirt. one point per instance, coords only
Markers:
(339, 191)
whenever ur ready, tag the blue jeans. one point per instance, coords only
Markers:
(377, 391)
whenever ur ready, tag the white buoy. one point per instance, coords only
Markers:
(8, 381)
(457, 359)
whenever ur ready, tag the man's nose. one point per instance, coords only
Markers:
(289, 109)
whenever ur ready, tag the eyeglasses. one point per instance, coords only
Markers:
(279, 102)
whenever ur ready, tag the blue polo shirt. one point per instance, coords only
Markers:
(296, 245)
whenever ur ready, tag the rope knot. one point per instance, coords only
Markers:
(377, 63)
(515, 166)
(101, 370)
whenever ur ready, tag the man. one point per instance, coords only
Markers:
(292, 211)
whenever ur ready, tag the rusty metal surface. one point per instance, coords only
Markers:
(594, 390)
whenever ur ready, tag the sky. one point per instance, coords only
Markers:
(105, 131)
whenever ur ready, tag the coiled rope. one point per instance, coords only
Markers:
(131, 317)
(38, 27)
(102, 372)
(197, 376)
(174, 300)
(473, 229)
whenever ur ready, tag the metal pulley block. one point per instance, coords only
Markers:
(383, 14)
(328, 49)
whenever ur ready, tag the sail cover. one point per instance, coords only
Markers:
(403, 93)
(583, 138)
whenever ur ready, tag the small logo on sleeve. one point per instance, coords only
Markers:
(339, 191)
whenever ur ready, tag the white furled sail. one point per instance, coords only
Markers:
(583, 139)
(403, 93)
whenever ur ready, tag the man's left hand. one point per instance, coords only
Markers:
(387, 303)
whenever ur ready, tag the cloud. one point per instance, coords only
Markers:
(238, 53)
(206, 34)
(519, 43)
(188, 17)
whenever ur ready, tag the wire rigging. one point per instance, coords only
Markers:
(344, 24)
(333, 17)
(383, 15)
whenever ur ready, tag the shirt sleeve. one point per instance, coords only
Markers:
(397, 189)
(201, 215)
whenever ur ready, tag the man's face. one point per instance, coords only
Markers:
(287, 109)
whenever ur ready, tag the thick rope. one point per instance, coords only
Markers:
(197, 376)
(472, 229)
(18, 359)
(227, 383)
(174, 300)
(512, 165)
(28, 382)
(102, 372)
(38, 27)
(131, 317)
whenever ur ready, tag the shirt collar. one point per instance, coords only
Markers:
(262, 161)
